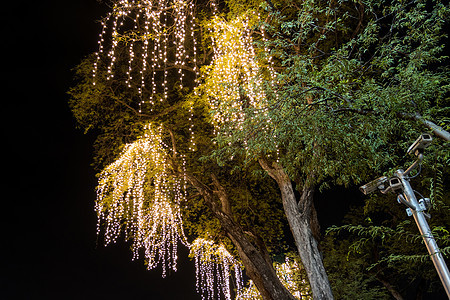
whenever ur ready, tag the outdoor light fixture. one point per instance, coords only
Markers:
(399, 184)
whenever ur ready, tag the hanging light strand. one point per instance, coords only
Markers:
(137, 195)
(214, 266)
(153, 25)
(240, 85)
(235, 84)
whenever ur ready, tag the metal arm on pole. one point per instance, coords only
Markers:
(414, 165)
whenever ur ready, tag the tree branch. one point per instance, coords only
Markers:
(174, 146)
(437, 130)
(274, 170)
(137, 113)
(222, 195)
(390, 288)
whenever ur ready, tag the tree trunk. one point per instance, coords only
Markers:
(255, 258)
(299, 218)
(390, 288)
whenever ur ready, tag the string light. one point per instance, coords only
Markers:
(214, 264)
(234, 82)
(155, 26)
(137, 195)
(289, 275)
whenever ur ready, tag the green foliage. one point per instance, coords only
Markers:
(347, 273)
(438, 179)
(381, 244)
(347, 80)
(343, 102)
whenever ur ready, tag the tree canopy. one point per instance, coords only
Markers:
(217, 122)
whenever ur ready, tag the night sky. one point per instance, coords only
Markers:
(48, 223)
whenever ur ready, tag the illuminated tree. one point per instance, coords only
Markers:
(205, 121)
(144, 183)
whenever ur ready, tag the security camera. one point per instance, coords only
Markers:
(377, 184)
(421, 143)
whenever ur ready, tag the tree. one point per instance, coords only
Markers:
(141, 194)
(309, 92)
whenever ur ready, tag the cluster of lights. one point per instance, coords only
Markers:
(235, 84)
(249, 293)
(233, 72)
(153, 26)
(137, 195)
(289, 274)
(214, 265)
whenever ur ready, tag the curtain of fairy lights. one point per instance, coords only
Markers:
(239, 86)
(214, 267)
(159, 36)
(137, 195)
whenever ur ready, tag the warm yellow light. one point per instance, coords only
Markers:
(151, 28)
(235, 86)
(214, 266)
(138, 195)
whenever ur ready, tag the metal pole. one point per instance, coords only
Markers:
(425, 231)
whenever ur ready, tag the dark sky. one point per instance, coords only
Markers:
(48, 221)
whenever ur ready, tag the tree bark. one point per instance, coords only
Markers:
(255, 258)
(299, 217)
(390, 288)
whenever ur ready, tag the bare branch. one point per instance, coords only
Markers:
(437, 130)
